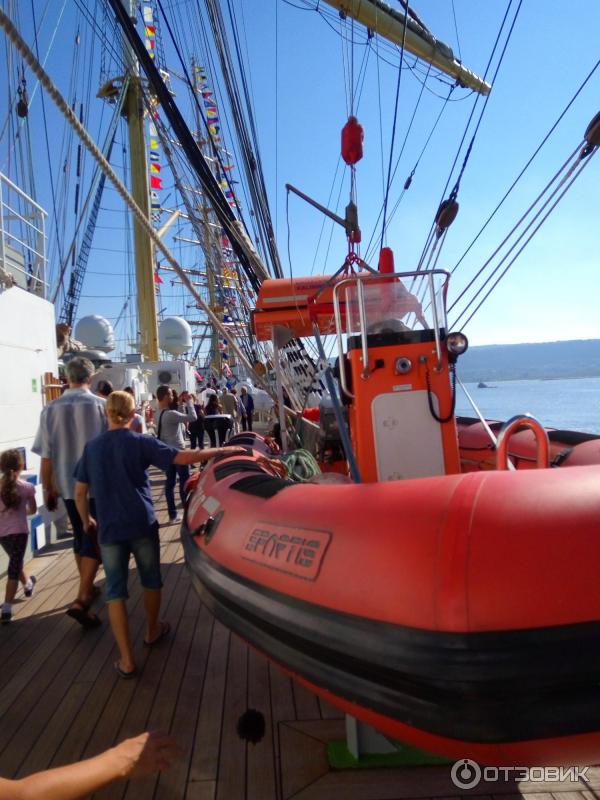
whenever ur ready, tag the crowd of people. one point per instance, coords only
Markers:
(95, 454)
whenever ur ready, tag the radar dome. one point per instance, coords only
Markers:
(96, 333)
(174, 336)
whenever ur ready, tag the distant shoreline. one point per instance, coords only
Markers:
(522, 380)
(566, 360)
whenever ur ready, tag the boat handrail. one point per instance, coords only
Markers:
(359, 281)
(509, 427)
(483, 421)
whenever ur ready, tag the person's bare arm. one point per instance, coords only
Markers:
(83, 505)
(133, 758)
(195, 456)
(31, 505)
(49, 487)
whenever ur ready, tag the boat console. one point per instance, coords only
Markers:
(394, 368)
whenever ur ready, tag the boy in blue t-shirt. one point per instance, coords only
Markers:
(114, 467)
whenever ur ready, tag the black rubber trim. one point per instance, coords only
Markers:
(242, 440)
(572, 438)
(494, 426)
(482, 687)
(224, 456)
(262, 485)
(233, 465)
(399, 337)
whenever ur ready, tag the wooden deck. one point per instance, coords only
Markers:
(60, 701)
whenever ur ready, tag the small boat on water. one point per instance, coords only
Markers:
(448, 610)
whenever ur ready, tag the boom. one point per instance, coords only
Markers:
(387, 22)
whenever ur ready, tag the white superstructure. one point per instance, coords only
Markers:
(27, 329)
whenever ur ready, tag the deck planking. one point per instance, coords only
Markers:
(61, 701)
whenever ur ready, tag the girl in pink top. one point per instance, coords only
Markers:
(17, 499)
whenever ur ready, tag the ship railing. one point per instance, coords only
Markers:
(22, 238)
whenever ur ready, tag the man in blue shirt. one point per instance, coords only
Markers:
(114, 466)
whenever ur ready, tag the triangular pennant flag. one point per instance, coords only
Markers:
(157, 278)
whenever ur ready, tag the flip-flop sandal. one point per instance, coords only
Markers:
(122, 674)
(165, 629)
(81, 615)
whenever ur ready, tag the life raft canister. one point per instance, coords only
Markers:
(352, 140)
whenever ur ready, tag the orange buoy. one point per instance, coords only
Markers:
(352, 139)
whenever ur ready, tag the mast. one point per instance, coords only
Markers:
(208, 252)
(144, 249)
(389, 23)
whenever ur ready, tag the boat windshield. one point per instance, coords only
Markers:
(393, 304)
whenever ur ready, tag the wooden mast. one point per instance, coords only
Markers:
(144, 249)
(389, 23)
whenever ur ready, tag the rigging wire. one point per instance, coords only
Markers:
(254, 160)
(47, 140)
(22, 47)
(407, 134)
(389, 175)
(412, 173)
(470, 147)
(573, 174)
(527, 165)
(456, 31)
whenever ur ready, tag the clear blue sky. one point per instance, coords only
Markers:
(552, 291)
(299, 92)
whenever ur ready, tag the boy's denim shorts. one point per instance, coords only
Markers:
(115, 558)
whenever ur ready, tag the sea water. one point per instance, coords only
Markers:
(568, 404)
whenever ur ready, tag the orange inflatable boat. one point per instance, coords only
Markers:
(566, 448)
(456, 612)
(433, 609)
